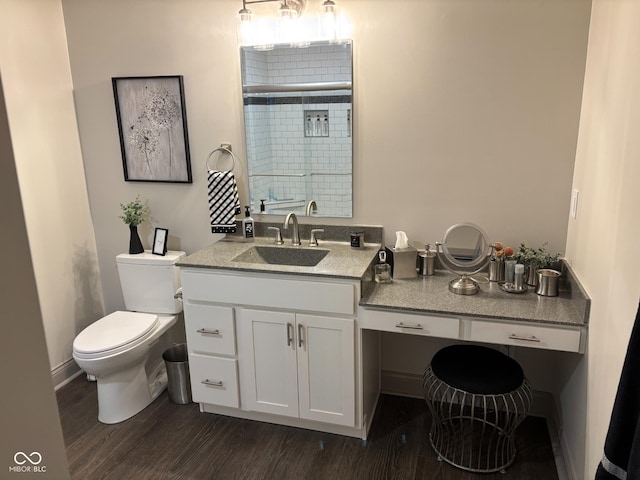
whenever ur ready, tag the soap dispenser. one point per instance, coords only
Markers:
(426, 261)
(382, 270)
(248, 225)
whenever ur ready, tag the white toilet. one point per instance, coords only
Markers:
(123, 350)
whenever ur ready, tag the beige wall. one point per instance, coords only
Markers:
(602, 241)
(39, 95)
(481, 97)
(28, 411)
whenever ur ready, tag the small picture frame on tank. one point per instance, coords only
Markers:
(160, 241)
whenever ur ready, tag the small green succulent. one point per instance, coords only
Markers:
(538, 258)
(134, 213)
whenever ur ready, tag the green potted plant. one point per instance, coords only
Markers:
(133, 214)
(534, 259)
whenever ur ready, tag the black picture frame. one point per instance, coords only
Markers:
(160, 241)
(152, 124)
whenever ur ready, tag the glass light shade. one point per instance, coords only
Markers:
(287, 11)
(245, 32)
(245, 15)
(328, 6)
(328, 26)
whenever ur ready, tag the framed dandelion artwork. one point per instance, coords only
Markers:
(152, 123)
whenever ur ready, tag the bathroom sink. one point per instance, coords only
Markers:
(299, 257)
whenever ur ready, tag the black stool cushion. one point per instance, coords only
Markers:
(477, 369)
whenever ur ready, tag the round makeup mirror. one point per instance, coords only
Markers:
(464, 250)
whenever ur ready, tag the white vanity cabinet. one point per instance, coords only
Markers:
(299, 365)
(274, 347)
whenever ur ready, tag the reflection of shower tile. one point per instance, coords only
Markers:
(284, 152)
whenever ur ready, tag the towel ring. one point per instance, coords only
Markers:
(222, 150)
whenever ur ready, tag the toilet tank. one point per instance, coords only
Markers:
(150, 281)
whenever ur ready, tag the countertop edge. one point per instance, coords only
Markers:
(271, 272)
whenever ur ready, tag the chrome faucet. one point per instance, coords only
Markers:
(295, 236)
(310, 205)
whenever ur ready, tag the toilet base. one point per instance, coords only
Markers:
(128, 392)
(128, 381)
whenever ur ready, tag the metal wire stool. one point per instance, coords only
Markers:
(477, 409)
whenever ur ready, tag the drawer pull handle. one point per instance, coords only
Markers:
(417, 326)
(208, 332)
(212, 383)
(532, 338)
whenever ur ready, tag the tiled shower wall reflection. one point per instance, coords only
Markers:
(287, 167)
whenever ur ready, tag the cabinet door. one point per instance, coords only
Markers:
(326, 369)
(272, 385)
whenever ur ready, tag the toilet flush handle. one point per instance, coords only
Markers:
(178, 294)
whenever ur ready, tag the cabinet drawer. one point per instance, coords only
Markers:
(214, 380)
(534, 336)
(286, 293)
(210, 329)
(390, 321)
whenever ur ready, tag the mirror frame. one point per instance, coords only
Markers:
(480, 260)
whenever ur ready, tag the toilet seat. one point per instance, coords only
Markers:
(115, 333)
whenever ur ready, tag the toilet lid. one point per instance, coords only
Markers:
(113, 331)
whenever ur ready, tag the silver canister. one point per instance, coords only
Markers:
(496, 270)
(548, 282)
(518, 277)
(426, 263)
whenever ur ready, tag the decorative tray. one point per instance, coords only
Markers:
(509, 288)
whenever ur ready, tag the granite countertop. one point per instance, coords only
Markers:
(341, 262)
(428, 295)
(432, 295)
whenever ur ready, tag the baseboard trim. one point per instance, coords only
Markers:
(64, 373)
(400, 383)
(566, 453)
(543, 405)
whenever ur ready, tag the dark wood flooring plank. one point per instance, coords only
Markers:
(177, 442)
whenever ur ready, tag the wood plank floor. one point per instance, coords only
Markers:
(168, 441)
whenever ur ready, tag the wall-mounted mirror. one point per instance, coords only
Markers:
(297, 113)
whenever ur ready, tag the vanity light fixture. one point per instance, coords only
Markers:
(289, 25)
(288, 8)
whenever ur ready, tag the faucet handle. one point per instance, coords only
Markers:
(313, 241)
(278, 237)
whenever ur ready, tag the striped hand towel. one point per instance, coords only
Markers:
(224, 203)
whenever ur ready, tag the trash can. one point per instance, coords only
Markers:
(176, 360)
